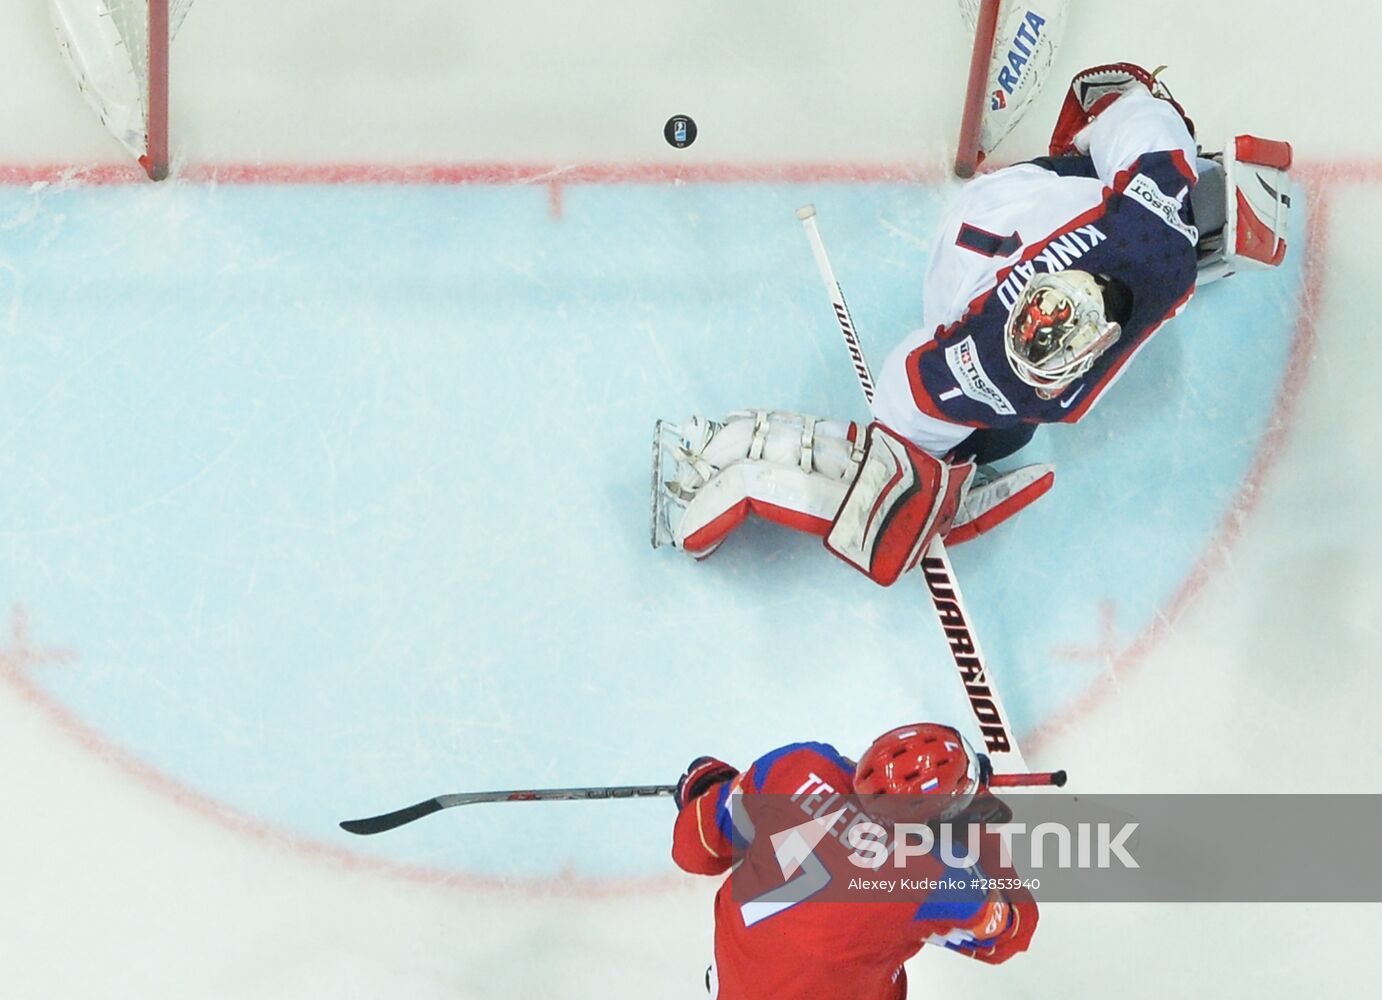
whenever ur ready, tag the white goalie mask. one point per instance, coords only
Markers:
(1057, 330)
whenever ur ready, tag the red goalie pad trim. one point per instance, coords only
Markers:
(990, 519)
(716, 530)
(789, 518)
(1255, 238)
(1264, 152)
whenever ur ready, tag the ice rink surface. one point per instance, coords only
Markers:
(326, 477)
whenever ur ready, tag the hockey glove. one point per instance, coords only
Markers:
(702, 774)
(1019, 914)
(1092, 91)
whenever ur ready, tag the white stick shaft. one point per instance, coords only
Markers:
(937, 569)
(837, 300)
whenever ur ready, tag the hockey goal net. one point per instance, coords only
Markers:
(1014, 45)
(118, 51)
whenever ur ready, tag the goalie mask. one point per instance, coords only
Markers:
(1057, 330)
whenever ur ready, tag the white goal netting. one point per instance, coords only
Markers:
(969, 10)
(108, 45)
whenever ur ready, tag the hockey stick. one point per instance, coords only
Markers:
(388, 821)
(1036, 778)
(397, 818)
(937, 570)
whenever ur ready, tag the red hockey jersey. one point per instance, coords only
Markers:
(822, 949)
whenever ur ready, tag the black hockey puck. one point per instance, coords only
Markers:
(680, 131)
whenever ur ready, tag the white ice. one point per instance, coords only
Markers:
(117, 883)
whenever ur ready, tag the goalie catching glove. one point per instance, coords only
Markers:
(1092, 91)
(877, 499)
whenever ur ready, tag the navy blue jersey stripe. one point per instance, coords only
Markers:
(986, 243)
(764, 764)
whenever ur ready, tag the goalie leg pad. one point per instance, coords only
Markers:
(784, 467)
(900, 500)
(989, 504)
(781, 494)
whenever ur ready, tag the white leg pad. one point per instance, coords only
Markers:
(802, 500)
(785, 467)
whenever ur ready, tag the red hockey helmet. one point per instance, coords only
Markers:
(921, 759)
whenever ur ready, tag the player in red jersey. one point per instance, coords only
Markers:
(838, 949)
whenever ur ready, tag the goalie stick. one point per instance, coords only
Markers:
(397, 818)
(937, 570)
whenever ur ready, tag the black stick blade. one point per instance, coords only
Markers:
(378, 824)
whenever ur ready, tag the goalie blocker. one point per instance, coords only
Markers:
(1242, 211)
(900, 499)
(877, 499)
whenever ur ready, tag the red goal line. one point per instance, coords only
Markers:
(1360, 170)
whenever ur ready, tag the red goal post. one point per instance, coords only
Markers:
(118, 50)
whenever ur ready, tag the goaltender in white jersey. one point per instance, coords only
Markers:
(1045, 280)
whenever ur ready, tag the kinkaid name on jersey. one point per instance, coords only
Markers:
(1059, 254)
